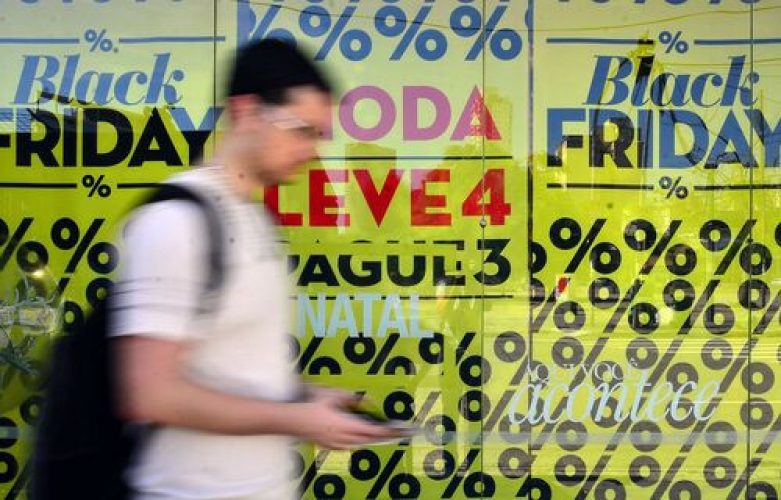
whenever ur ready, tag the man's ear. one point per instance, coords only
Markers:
(241, 107)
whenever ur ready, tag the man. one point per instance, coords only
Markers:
(219, 385)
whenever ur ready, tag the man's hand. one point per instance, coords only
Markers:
(153, 388)
(325, 421)
(338, 397)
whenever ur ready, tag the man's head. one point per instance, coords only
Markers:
(279, 103)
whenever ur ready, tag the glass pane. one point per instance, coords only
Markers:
(505, 203)
(635, 329)
(761, 294)
(384, 255)
(97, 104)
(624, 152)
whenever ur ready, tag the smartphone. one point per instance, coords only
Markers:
(369, 410)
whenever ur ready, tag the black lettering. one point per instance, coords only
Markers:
(91, 156)
(70, 137)
(616, 149)
(495, 257)
(374, 270)
(195, 141)
(400, 279)
(440, 273)
(155, 130)
(317, 269)
(26, 146)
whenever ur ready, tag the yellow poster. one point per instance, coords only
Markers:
(543, 232)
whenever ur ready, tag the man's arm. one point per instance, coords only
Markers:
(154, 388)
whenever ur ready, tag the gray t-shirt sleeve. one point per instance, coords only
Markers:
(163, 269)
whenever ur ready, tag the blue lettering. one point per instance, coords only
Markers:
(246, 21)
(248, 27)
(601, 79)
(734, 85)
(668, 120)
(51, 79)
(771, 138)
(184, 122)
(30, 75)
(670, 2)
(102, 87)
(698, 88)
(160, 82)
(678, 94)
(667, 89)
(556, 137)
(122, 88)
(730, 133)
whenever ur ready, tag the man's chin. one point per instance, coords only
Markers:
(278, 177)
(289, 179)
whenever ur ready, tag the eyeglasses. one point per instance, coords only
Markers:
(285, 120)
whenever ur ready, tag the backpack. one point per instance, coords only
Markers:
(82, 448)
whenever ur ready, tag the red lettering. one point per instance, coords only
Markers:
(420, 201)
(428, 205)
(271, 200)
(319, 201)
(492, 184)
(475, 120)
(378, 201)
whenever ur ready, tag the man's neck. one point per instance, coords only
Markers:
(239, 179)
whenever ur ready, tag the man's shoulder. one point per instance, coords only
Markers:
(199, 179)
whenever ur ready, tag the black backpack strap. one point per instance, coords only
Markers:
(82, 447)
(168, 192)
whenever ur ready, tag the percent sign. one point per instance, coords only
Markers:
(102, 258)
(30, 255)
(475, 371)
(98, 39)
(475, 484)
(510, 349)
(643, 317)
(673, 41)
(363, 350)
(354, 44)
(755, 259)
(95, 185)
(467, 21)
(604, 293)
(264, 27)
(326, 485)
(392, 21)
(439, 464)
(566, 234)
(672, 187)
(366, 465)
(715, 236)
(308, 363)
(754, 294)
(438, 429)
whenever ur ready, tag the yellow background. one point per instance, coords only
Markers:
(488, 337)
